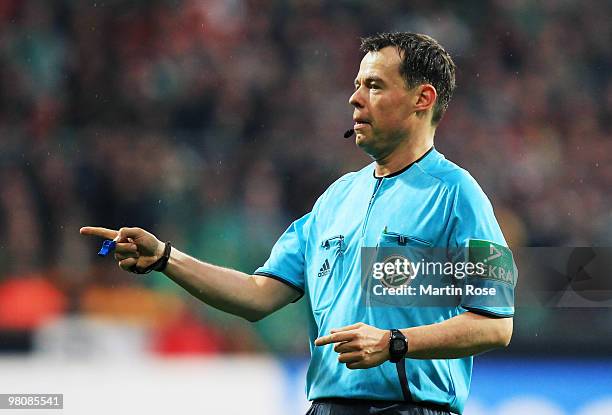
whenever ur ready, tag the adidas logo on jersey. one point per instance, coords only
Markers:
(325, 270)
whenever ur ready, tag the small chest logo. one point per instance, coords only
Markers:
(325, 270)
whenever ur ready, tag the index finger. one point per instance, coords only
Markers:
(335, 338)
(97, 231)
(346, 328)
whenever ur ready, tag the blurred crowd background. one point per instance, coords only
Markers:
(215, 123)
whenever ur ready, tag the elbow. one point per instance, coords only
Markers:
(254, 316)
(504, 332)
(504, 341)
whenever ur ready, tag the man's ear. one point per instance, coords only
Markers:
(425, 98)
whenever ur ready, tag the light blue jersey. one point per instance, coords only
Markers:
(432, 202)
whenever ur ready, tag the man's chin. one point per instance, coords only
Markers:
(361, 139)
(366, 143)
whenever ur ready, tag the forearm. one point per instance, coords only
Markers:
(464, 335)
(225, 289)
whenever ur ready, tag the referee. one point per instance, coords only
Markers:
(417, 360)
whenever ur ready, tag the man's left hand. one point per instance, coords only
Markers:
(359, 345)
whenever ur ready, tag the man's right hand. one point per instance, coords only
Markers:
(135, 246)
(250, 296)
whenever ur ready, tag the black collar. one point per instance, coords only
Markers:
(403, 169)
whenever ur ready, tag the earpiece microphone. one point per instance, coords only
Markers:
(349, 133)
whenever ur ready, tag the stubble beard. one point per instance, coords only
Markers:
(379, 145)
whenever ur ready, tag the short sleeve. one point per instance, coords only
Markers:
(477, 238)
(286, 261)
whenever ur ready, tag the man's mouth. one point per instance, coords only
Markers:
(360, 123)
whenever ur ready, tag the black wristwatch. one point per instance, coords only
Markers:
(398, 346)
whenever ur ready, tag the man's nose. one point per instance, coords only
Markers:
(356, 99)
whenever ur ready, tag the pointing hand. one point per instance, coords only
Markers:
(135, 246)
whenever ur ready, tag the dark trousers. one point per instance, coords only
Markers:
(339, 406)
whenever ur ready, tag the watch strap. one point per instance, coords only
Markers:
(159, 265)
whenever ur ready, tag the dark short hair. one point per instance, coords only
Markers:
(424, 61)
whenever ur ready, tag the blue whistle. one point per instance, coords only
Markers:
(107, 247)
